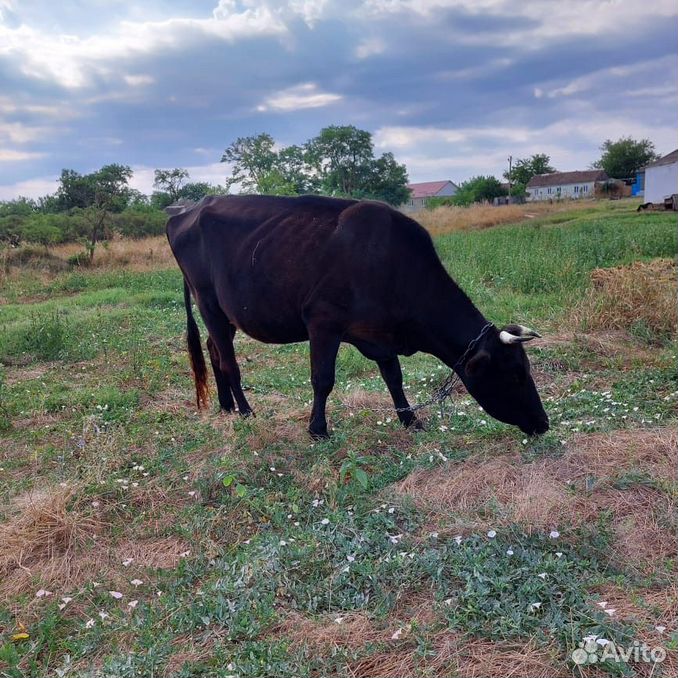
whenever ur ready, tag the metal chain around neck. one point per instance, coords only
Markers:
(447, 387)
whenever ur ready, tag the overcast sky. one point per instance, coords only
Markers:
(451, 87)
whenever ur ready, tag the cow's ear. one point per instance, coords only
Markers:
(478, 363)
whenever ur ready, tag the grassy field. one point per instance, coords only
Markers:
(141, 538)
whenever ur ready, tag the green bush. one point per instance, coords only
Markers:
(75, 225)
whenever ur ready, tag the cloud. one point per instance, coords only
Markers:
(138, 80)
(212, 173)
(297, 98)
(9, 155)
(451, 86)
(370, 47)
(603, 78)
(20, 133)
(73, 62)
(542, 20)
(572, 143)
(31, 188)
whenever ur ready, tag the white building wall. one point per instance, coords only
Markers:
(661, 182)
(581, 190)
(446, 191)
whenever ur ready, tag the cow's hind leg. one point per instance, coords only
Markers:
(324, 348)
(223, 384)
(393, 376)
(221, 333)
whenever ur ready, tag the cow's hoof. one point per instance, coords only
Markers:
(416, 425)
(319, 435)
(246, 413)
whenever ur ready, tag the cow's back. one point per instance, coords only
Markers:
(267, 260)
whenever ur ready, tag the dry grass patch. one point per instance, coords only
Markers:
(447, 219)
(145, 254)
(161, 553)
(551, 493)
(350, 630)
(45, 538)
(360, 399)
(621, 297)
(187, 650)
(651, 607)
(453, 654)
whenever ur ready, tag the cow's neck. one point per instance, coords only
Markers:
(452, 322)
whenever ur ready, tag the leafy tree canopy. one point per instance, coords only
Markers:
(169, 181)
(339, 161)
(478, 189)
(526, 168)
(621, 159)
(107, 188)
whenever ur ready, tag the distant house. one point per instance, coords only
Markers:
(661, 178)
(420, 194)
(564, 185)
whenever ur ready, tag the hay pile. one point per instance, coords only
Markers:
(641, 296)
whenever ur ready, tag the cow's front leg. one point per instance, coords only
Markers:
(324, 348)
(393, 376)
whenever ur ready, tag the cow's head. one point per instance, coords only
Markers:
(497, 375)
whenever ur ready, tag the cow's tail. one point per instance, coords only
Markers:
(195, 352)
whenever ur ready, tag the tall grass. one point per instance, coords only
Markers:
(442, 220)
(542, 270)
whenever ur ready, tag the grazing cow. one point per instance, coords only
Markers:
(328, 270)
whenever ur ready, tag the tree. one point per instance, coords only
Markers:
(478, 189)
(252, 158)
(526, 168)
(170, 181)
(197, 190)
(75, 190)
(19, 206)
(339, 161)
(341, 157)
(342, 160)
(110, 193)
(388, 181)
(293, 171)
(621, 159)
(275, 183)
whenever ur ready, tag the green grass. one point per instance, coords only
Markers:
(265, 523)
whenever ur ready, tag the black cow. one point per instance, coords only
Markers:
(328, 270)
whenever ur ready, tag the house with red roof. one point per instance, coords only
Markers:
(420, 194)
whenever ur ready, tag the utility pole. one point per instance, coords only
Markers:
(510, 160)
